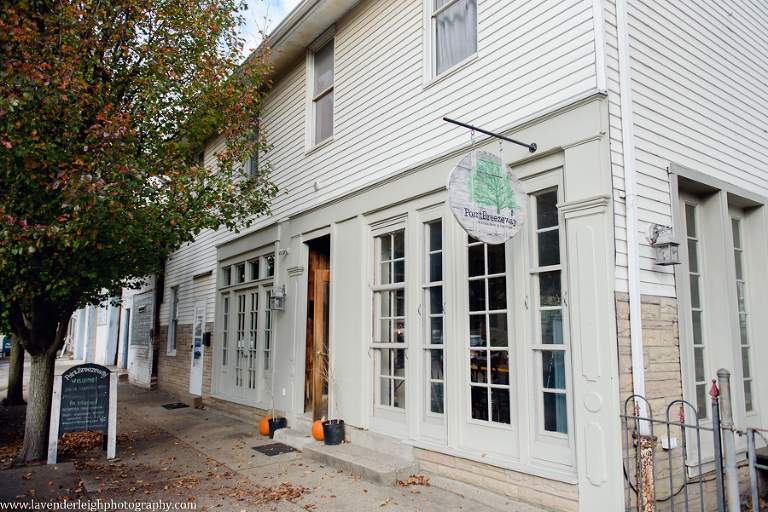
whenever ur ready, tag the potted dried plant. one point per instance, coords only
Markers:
(333, 429)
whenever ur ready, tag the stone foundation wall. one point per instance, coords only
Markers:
(661, 351)
(246, 412)
(663, 385)
(532, 489)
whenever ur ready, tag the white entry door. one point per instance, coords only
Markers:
(198, 350)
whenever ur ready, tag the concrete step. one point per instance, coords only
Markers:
(354, 458)
(296, 437)
(191, 400)
(373, 466)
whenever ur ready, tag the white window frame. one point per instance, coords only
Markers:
(548, 446)
(430, 43)
(745, 340)
(311, 143)
(250, 379)
(252, 164)
(715, 199)
(434, 423)
(385, 412)
(173, 320)
(699, 387)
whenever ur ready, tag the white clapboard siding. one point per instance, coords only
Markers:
(531, 56)
(699, 72)
(704, 82)
(387, 121)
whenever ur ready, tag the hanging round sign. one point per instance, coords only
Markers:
(486, 197)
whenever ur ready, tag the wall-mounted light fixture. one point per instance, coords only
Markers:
(277, 299)
(284, 252)
(664, 244)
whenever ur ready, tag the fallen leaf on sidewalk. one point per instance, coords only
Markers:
(414, 480)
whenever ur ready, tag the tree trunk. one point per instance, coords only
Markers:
(16, 373)
(40, 394)
(41, 332)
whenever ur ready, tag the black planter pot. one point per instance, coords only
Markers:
(333, 431)
(276, 424)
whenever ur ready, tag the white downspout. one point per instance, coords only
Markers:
(630, 188)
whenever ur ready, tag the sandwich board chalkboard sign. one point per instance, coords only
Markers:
(84, 398)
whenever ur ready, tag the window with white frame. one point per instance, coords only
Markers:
(722, 271)
(253, 332)
(454, 32)
(242, 305)
(267, 332)
(433, 315)
(253, 162)
(173, 321)
(742, 308)
(322, 93)
(488, 336)
(696, 311)
(550, 344)
(389, 340)
(225, 329)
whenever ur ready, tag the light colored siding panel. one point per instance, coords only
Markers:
(699, 71)
(706, 80)
(366, 151)
(388, 118)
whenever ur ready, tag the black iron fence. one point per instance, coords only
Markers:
(664, 459)
(756, 461)
(678, 463)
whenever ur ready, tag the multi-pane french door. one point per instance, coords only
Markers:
(432, 366)
(244, 353)
(470, 342)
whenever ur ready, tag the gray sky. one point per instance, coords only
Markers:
(263, 15)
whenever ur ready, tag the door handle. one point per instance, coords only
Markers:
(321, 353)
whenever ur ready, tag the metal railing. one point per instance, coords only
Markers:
(641, 454)
(685, 469)
(753, 465)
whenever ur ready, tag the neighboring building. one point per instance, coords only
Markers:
(504, 366)
(138, 344)
(93, 335)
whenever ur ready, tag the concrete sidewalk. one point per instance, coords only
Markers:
(206, 457)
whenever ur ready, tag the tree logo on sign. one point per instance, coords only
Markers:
(490, 187)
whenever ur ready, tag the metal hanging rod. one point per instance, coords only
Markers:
(531, 147)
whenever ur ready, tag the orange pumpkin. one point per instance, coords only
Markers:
(317, 430)
(264, 427)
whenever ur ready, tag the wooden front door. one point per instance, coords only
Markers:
(318, 342)
(320, 375)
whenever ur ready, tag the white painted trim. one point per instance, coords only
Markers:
(112, 419)
(545, 471)
(601, 67)
(630, 186)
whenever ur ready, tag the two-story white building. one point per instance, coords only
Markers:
(503, 366)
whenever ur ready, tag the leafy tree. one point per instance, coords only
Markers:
(488, 186)
(104, 105)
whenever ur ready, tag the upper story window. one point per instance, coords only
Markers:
(173, 321)
(322, 93)
(253, 161)
(454, 32)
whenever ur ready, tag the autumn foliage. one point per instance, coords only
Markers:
(105, 106)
